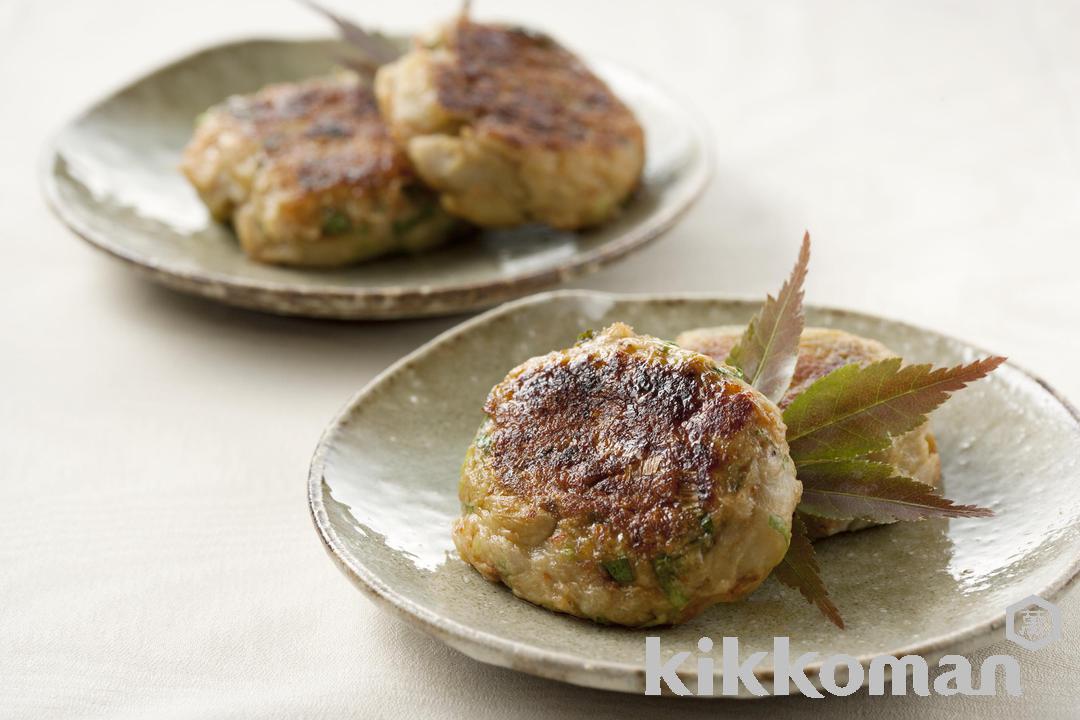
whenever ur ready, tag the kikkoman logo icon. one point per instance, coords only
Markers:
(1032, 623)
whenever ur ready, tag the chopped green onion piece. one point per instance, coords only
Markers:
(619, 570)
(335, 222)
(667, 574)
(423, 214)
(707, 524)
(780, 526)
(729, 371)
(483, 441)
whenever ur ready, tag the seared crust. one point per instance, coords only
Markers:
(628, 481)
(309, 175)
(314, 135)
(525, 88)
(822, 350)
(615, 436)
(323, 134)
(511, 128)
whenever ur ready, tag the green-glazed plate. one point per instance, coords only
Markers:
(112, 176)
(383, 494)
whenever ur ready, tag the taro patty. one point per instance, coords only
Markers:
(628, 481)
(822, 350)
(510, 127)
(308, 175)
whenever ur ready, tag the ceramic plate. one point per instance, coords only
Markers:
(383, 494)
(112, 177)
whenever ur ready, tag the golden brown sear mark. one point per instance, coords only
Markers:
(632, 442)
(323, 134)
(526, 89)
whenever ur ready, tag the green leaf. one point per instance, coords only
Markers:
(873, 491)
(799, 570)
(619, 570)
(374, 49)
(855, 410)
(769, 347)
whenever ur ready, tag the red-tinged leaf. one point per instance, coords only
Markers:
(873, 491)
(374, 49)
(855, 410)
(769, 347)
(799, 570)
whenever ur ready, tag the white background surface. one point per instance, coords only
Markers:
(156, 555)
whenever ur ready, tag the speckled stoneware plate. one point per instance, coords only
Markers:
(383, 494)
(112, 176)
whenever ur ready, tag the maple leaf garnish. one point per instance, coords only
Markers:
(372, 48)
(874, 491)
(769, 347)
(856, 410)
(799, 570)
(837, 422)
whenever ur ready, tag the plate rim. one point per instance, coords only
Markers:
(370, 303)
(609, 675)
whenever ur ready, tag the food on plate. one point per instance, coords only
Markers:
(635, 481)
(628, 481)
(308, 175)
(489, 124)
(820, 351)
(509, 127)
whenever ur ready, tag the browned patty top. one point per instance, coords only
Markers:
(621, 439)
(526, 89)
(322, 133)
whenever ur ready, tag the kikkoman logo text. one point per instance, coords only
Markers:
(1032, 623)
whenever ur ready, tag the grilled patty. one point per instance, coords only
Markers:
(509, 127)
(308, 175)
(822, 350)
(627, 481)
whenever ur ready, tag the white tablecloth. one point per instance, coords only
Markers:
(156, 555)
